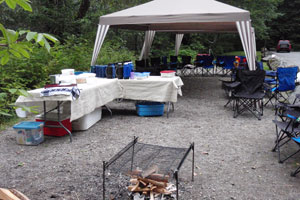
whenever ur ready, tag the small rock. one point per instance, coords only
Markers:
(53, 196)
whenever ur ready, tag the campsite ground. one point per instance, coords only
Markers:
(233, 156)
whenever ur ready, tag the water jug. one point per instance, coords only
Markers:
(126, 70)
(110, 71)
(119, 71)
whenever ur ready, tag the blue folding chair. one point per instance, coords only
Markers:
(285, 82)
(228, 65)
(208, 65)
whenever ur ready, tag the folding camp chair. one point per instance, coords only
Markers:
(155, 65)
(174, 65)
(285, 82)
(187, 67)
(208, 66)
(227, 65)
(286, 125)
(199, 62)
(248, 96)
(141, 65)
(219, 64)
(297, 140)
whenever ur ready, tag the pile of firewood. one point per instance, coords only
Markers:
(150, 183)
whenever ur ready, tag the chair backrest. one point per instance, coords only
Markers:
(173, 59)
(251, 81)
(142, 63)
(208, 61)
(155, 62)
(229, 60)
(164, 60)
(186, 60)
(286, 78)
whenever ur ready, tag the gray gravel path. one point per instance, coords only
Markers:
(233, 156)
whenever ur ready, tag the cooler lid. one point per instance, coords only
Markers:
(28, 125)
(168, 71)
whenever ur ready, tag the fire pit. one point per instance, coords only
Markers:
(144, 171)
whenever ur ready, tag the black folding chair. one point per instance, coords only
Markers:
(248, 96)
(187, 67)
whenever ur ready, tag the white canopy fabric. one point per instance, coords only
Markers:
(178, 41)
(183, 16)
(101, 33)
(149, 36)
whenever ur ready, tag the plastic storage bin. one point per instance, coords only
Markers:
(52, 119)
(87, 121)
(29, 133)
(167, 74)
(150, 109)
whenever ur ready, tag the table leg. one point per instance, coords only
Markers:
(109, 110)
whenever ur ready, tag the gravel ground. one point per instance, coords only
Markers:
(233, 157)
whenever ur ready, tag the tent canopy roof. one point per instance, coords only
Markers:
(178, 16)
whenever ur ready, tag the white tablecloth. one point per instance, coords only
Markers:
(100, 91)
(96, 93)
(153, 88)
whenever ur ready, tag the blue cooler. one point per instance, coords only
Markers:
(29, 133)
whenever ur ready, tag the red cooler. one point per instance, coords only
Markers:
(52, 119)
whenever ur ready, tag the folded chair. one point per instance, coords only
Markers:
(285, 82)
(249, 94)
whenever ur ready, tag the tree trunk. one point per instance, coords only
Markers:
(84, 7)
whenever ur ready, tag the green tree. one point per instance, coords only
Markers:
(286, 26)
(12, 44)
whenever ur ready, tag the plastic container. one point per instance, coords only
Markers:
(150, 109)
(127, 68)
(167, 74)
(29, 133)
(67, 71)
(87, 121)
(52, 119)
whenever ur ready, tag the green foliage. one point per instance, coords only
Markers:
(13, 3)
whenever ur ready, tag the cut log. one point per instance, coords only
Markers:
(157, 183)
(138, 189)
(151, 170)
(156, 177)
(161, 191)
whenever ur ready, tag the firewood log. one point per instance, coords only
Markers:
(138, 189)
(157, 183)
(156, 177)
(161, 190)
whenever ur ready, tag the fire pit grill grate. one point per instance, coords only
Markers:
(141, 156)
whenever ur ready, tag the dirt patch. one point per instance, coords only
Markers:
(233, 156)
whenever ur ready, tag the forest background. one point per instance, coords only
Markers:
(74, 24)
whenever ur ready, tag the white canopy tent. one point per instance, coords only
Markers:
(180, 16)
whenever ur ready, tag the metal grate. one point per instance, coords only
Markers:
(141, 156)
